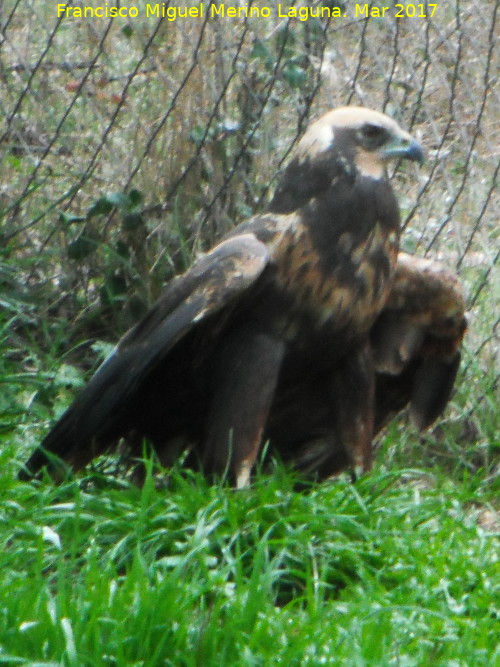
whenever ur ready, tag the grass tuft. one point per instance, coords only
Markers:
(395, 569)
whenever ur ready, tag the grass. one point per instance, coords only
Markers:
(399, 568)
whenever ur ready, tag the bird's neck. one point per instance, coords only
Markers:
(304, 181)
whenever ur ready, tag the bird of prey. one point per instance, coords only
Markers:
(414, 346)
(289, 294)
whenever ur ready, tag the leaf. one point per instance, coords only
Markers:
(259, 50)
(136, 197)
(197, 134)
(102, 348)
(127, 30)
(68, 376)
(81, 247)
(132, 220)
(122, 249)
(116, 284)
(69, 218)
(119, 199)
(51, 536)
(113, 287)
(100, 207)
(294, 75)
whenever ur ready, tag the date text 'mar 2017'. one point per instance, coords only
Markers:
(409, 10)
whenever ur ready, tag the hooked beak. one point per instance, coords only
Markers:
(404, 147)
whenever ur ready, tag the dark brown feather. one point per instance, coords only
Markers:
(415, 349)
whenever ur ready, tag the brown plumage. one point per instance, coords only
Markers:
(288, 295)
(414, 355)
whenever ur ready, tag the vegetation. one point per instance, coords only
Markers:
(121, 160)
(400, 568)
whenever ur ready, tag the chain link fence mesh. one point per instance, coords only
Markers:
(130, 143)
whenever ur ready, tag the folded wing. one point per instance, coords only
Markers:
(99, 414)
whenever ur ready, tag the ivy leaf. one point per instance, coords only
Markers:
(81, 247)
(100, 207)
(136, 197)
(118, 199)
(127, 30)
(131, 221)
(69, 219)
(294, 75)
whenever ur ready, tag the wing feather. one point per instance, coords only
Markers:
(416, 341)
(215, 281)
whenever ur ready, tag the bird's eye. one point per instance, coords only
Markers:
(371, 136)
(372, 131)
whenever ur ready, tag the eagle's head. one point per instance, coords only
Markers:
(344, 142)
(367, 139)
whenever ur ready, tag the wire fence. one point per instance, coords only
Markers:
(131, 142)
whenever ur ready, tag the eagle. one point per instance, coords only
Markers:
(288, 298)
